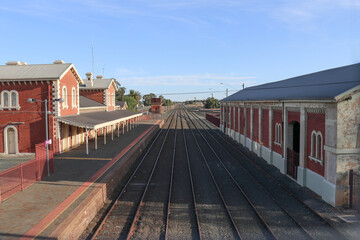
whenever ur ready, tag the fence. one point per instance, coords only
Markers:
(213, 119)
(17, 178)
(354, 182)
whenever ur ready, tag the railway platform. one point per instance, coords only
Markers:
(68, 199)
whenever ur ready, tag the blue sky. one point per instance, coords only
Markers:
(169, 46)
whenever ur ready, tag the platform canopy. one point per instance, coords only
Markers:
(96, 120)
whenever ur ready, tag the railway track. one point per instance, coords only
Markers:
(312, 223)
(193, 183)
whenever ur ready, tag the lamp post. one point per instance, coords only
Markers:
(31, 100)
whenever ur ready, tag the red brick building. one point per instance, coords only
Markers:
(156, 104)
(100, 90)
(22, 123)
(307, 126)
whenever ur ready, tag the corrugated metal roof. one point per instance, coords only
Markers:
(324, 85)
(87, 102)
(97, 83)
(94, 120)
(31, 72)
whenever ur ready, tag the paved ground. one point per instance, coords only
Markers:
(9, 162)
(21, 212)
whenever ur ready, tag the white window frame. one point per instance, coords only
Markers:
(317, 142)
(73, 97)
(10, 100)
(65, 98)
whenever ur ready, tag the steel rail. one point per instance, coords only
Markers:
(262, 220)
(111, 208)
(141, 204)
(171, 182)
(216, 185)
(274, 179)
(191, 180)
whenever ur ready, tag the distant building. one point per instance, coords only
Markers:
(156, 104)
(71, 121)
(121, 105)
(307, 126)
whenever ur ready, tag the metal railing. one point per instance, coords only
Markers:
(354, 182)
(17, 178)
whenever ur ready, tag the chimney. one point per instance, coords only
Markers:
(99, 77)
(59, 62)
(14, 63)
(89, 77)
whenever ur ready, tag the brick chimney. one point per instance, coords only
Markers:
(89, 77)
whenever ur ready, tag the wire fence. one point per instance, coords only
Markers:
(18, 178)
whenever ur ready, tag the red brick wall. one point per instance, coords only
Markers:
(96, 95)
(242, 120)
(293, 116)
(232, 118)
(277, 119)
(32, 131)
(69, 81)
(255, 125)
(315, 121)
(265, 127)
(248, 120)
(237, 119)
(111, 91)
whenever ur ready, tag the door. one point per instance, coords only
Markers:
(11, 141)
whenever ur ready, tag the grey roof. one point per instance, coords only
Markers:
(94, 120)
(31, 72)
(103, 83)
(324, 85)
(120, 103)
(88, 102)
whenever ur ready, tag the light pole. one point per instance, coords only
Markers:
(31, 100)
(227, 90)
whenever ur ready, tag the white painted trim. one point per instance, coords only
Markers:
(6, 150)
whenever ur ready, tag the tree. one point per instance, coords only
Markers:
(120, 94)
(135, 94)
(167, 102)
(211, 103)
(147, 99)
(131, 102)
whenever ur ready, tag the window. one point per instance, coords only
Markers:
(278, 134)
(73, 96)
(317, 146)
(10, 99)
(113, 102)
(6, 99)
(64, 93)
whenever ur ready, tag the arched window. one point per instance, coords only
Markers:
(73, 96)
(113, 102)
(6, 99)
(64, 97)
(278, 134)
(14, 99)
(317, 146)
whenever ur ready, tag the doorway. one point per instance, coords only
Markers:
(293, 148)
(10, 140)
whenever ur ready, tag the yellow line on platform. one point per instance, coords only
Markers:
(83, 158)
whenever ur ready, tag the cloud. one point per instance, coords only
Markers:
(187, 80)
